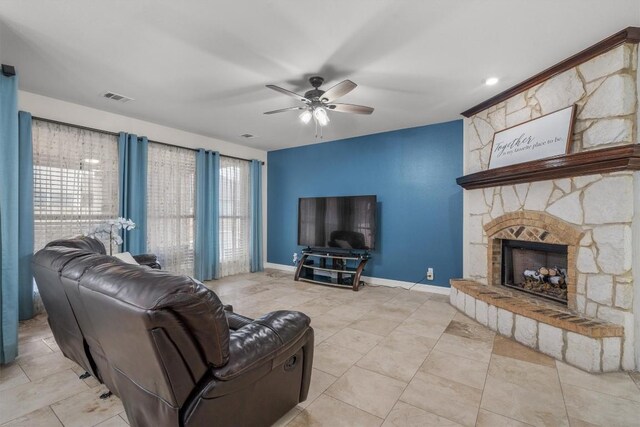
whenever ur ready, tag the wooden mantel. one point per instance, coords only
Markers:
(604, 160)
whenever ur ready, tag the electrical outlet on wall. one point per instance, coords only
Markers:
(429, 273)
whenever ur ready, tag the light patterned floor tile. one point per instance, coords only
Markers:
(405, 415)
(509, 348)
(458, 369)
(42, 366)
(367, 390)
(12, 375)
(387, 361)
(600, 409)
(443, 397)
(20, 400)
(87, 408)
(408, 343)
(376, 324)
(489, 419)
(33, 349)
(320, 381)
(360, 341)
(326, 411)
(112, 422)
(33, 330)
(51, 342)
(334, 360)
(533, 392)
(618, 384)
(425, 328)
(123, 415)
(43, 417)
(464, 347)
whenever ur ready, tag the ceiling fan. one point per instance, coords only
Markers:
(319, 102)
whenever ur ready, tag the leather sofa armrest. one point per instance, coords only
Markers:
(261, 340)
(237, 321)
(150, 260)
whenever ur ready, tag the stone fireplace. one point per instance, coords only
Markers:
(528, 241)
(536, 268)
(562, 216)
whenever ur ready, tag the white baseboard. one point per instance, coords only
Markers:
(378, 281)
(282, 267)
(406, 285)
(433, 289)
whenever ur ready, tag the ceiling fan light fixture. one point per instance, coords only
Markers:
(318, 102)
(305, 116)
(321, 116)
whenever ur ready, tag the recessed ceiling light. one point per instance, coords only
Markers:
(92, 161)
(491, 81)
(247, 135)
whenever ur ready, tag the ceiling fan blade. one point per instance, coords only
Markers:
(350, 108)
(288, 92)
(341, 89)
(282, 110)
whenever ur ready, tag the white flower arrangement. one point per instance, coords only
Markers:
(108, 230)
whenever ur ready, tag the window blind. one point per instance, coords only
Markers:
(75, 180)
(234, 216)
(171, 207)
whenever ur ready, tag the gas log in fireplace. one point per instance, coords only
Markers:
(536, 268)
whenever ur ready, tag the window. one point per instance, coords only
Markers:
(75, 180)
(171, 207)
(234, 216)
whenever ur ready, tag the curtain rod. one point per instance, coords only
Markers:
(106, 132)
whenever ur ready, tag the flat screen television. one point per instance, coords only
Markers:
(347, 223)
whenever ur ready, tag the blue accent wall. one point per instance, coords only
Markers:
(412, 172)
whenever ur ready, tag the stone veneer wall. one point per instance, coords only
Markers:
(605, 90)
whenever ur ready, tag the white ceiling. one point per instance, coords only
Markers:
(201, 66)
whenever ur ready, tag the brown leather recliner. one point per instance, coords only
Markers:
(63, 319)
(168, 348)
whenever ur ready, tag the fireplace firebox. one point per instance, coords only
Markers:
(535, 267)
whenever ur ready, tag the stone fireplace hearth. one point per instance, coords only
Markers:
(594, 215)
(555, 328)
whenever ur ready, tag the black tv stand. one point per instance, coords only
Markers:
(314, 268)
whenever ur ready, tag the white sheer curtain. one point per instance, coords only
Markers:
(75, 180)
(234, 216)
(171, 207)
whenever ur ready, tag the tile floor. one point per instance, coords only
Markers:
(384, 356)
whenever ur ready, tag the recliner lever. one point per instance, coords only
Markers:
(290, 363)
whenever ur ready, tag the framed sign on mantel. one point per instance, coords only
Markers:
(540, 138)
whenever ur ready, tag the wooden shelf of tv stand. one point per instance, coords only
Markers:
(303, 269)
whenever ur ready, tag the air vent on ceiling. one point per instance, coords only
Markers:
(247, 135)
(117, 97)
